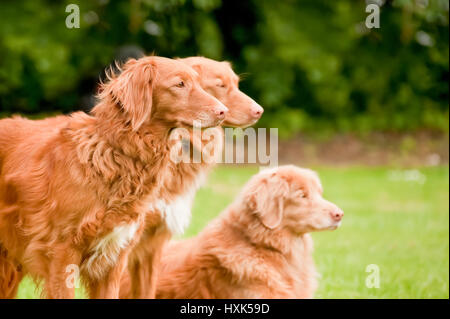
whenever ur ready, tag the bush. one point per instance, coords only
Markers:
(310, 63)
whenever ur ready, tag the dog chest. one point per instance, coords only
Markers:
(107, 250)
(177, 213)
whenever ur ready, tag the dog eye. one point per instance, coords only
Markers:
(300, 194)
(221, 85)
(180, 84)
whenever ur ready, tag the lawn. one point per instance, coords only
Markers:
(395, 219)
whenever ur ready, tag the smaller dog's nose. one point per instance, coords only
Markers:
(337, 214)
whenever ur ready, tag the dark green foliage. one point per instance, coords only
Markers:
(311, 63)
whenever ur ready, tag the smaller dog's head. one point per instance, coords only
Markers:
(162, 89)
(291, 197)
(219, 80)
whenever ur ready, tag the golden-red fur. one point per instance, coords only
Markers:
(259, 247)
(75, 190)
(219, 80)
(10, 275)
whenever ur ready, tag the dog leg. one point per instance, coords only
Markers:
(10, 276)
(143, 279)
(144, 264)
(59, 283)
(109, 286)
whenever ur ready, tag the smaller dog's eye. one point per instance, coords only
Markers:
(181, 84)
(300, 194)
(221, 85)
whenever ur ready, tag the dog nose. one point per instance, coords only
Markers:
(337, 214)
(220, 112)
(257, 111)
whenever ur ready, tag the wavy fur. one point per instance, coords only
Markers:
(68, 183)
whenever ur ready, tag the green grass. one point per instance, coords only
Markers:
(399, 225)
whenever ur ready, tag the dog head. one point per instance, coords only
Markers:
(219, 80)
(290, 197)
(162, 89)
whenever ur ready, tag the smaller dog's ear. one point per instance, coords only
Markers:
(133, 88)
(267, 200)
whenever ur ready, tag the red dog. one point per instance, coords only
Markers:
(75, 190)
(259, 247)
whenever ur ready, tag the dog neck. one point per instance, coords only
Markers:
(118, 155)
(114, 128)
(189, 173)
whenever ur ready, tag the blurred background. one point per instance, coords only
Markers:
(367, 108)
(312, 64)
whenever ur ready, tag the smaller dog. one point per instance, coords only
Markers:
(259, 247)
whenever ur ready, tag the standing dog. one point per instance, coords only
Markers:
(218, 79)
(74, 191)
(259, 247)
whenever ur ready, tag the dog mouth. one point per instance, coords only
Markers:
(335, 225)
(237, 124)
(199, 124)
(209, 124)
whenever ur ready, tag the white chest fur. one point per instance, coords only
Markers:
(106, 252)
(177, 213)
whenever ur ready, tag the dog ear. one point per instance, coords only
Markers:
(133, 89)
(267, 200)
(198, 68)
